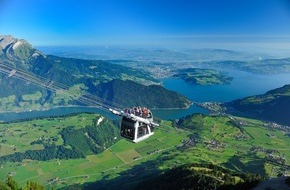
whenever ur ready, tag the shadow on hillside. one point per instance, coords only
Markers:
(128, 179)
(255, 166)
(132, 178)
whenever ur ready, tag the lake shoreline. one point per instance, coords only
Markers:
(79, 106)
(243, 85)
(40, 110)
(66, 110)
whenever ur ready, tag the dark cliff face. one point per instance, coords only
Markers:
(272, 106)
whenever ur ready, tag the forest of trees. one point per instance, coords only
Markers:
(208, 177)
(91, 139)
(10, 184)
(130, 93)
(48, 153)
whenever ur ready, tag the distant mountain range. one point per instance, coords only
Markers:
(271, 106)
(162, 55)
(170, 60)
(74, 76)
(262, 66)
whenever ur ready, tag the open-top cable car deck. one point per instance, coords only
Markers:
(137, 123)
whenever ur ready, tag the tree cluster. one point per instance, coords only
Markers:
(10, 184)
(210, 178)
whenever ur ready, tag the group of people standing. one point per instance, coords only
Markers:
(139, 111)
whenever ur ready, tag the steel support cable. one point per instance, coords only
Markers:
(86, 98)
(55, 85)
(41, 81)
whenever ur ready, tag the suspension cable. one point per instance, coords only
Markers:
(85, 98)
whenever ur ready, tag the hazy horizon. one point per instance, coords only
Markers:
(225, 24)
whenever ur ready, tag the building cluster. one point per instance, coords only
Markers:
(215, 108)
(153, 152)
(271, 155)
(213, 144)
(241, 137)
(187, 143)
(277, 159)
(273, 125)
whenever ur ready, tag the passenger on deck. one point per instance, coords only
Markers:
(145, 112)
(139, 111)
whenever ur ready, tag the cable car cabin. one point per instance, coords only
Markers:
(136, 128)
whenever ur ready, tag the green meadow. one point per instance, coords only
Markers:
(239, 144)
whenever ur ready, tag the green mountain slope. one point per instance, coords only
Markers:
(131, 93)
(200, 176)
(272, 106)
(188, 176)
(71, 78)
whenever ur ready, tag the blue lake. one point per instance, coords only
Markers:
(244, 84)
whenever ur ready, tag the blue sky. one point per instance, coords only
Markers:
(146, 22)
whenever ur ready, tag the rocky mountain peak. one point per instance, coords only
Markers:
(15, 49)
(6, 40)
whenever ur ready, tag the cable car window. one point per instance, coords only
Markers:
(127, 129)
(142, 130)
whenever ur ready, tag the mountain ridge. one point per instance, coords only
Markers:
(271, 106)
(114, 91)
(75, 76)
(18, 49)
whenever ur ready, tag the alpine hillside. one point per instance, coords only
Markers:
(271, 106)
(66, 80)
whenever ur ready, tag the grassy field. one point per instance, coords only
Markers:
(218, 141)
(16, 137)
